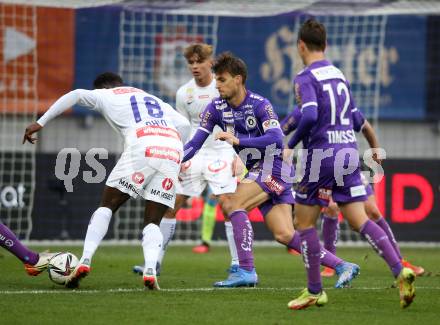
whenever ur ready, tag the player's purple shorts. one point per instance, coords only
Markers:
(319, 192)
(280, 192)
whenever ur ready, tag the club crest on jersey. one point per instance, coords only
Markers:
(137, 178)
(251, 122)
(217, 166)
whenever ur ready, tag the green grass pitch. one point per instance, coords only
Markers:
(112, 294)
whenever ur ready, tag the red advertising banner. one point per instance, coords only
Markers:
(36, 57)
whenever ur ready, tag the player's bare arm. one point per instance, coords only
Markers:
(370, 136)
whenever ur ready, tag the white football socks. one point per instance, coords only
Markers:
(152, 240)
(167, 228)
(96, 231)
(231, 242)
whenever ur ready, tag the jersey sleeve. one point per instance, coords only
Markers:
(358, 119)
(82, 97)
(209, 119)
(181, 104)
(290, 122)
(267, 116)
(357, 116)
(305, 92)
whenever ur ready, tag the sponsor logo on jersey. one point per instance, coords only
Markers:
(221, 105)
(155, 130)
(325, 194)
(163, 195)
(126, 90)
(227, 115)
(167, 184)
(271, 124)
(251, 122)
(217, 166)
(128, 186)
(357, 191)
(327, 73)
(297, 95)
(163, 153)
(205, 118)
(238, 115)
(269, 109)
(273, 185)
(255, 96)
(137, 178)
(204, 96)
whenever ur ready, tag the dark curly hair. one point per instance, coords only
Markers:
(227, 62)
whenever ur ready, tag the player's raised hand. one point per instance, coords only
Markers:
(228, 137)
(376, 156)
(31, 129)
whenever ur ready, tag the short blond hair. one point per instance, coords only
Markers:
(202, 50)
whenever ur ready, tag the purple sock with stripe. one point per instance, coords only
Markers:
(327, 258)
(378, 239)
(330, 230)
(311, 253)
(243, 237)
(386, 227)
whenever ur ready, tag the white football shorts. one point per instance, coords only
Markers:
(208, 167)
(147, 170)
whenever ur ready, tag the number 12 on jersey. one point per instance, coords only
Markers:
(340, 88)
(153, 108)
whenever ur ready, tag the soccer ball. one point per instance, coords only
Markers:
(60, 266)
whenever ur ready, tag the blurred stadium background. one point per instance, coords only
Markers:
(389, 50)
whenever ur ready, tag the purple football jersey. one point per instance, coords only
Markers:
(251, 119)
(324, 86)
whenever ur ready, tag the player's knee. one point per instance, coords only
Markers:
(113, 203)
(373, 213)
(299, 224)
(283, 236)
(225, 204)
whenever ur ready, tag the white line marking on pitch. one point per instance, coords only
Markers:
(122, 290)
